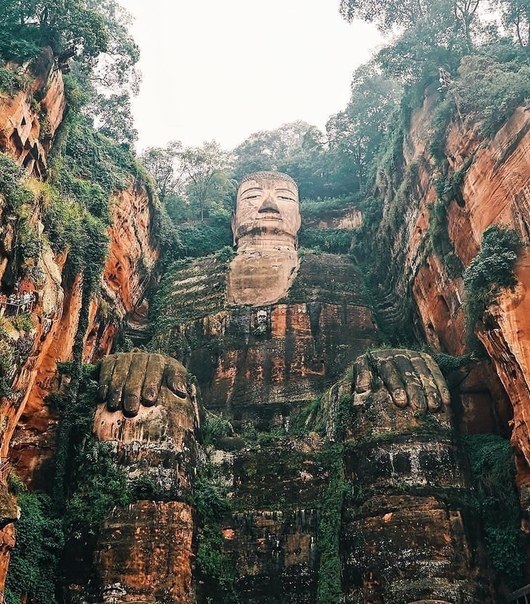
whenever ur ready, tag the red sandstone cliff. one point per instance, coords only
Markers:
(495, 190)
(27, 137)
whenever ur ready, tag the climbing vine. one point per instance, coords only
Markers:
(330, 518)
(215, 569)
(493, 474)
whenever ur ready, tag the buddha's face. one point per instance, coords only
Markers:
(267, 208)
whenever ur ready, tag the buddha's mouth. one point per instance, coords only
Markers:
(269, 216)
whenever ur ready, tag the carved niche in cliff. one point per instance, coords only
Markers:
(268, 332)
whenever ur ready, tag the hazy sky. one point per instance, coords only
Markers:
(222, 69)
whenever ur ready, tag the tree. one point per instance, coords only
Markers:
(95, 34)
(386, 15)
(355, 134)
(112, 117)
(205, 171)
(269, 149)
(445, 17)
(490, 90)
(162, 163)
(115, 69)
(516, 18)
(26, 26)
(297, 148)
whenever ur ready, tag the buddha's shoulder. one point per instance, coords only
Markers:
(194, 287)
(322, 277)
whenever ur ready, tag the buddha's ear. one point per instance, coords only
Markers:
(233, 227)
(195, 401)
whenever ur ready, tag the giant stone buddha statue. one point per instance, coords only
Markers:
(265, 334)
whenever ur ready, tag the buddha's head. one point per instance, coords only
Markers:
(267, 211)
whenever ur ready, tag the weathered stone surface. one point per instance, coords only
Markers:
(145, 554)
(261, 276)
(7, 543)
(480, 402)
(495, 190)
(125, 278)
(272, 535)
(275, 553)
(340, 218)
(133, 248)
(23, 133)
(259, 365)
(406, 530)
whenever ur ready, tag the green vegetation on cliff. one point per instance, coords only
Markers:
(35, 560)
(358, 163)
(329, 588)
(496, 502)
(84, 485)
(491, 270)
(216, 570)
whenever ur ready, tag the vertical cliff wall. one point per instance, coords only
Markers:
(303, 490)
(435, 213)
(42, 296)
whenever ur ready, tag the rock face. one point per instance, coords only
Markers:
(145, 553)
(27, 135)
(23, 135)
(133, 249)
(126, 275)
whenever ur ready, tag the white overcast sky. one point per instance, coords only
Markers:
(222, 69)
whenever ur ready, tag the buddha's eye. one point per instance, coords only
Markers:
(285, 198)
(251, 197)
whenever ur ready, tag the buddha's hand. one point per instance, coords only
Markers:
(412, 379)
(129, 380)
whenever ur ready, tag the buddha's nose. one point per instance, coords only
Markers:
(269, 206)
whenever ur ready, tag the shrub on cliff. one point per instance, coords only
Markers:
(491, 270)
(11, 183)
(334, 241)
(490, 90)
(493, 474)
(11, 81)
(39, 542)
(330, 518)
(214, 567)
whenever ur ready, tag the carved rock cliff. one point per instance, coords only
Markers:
(490, 185)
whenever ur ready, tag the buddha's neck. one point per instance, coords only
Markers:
(263, 244)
